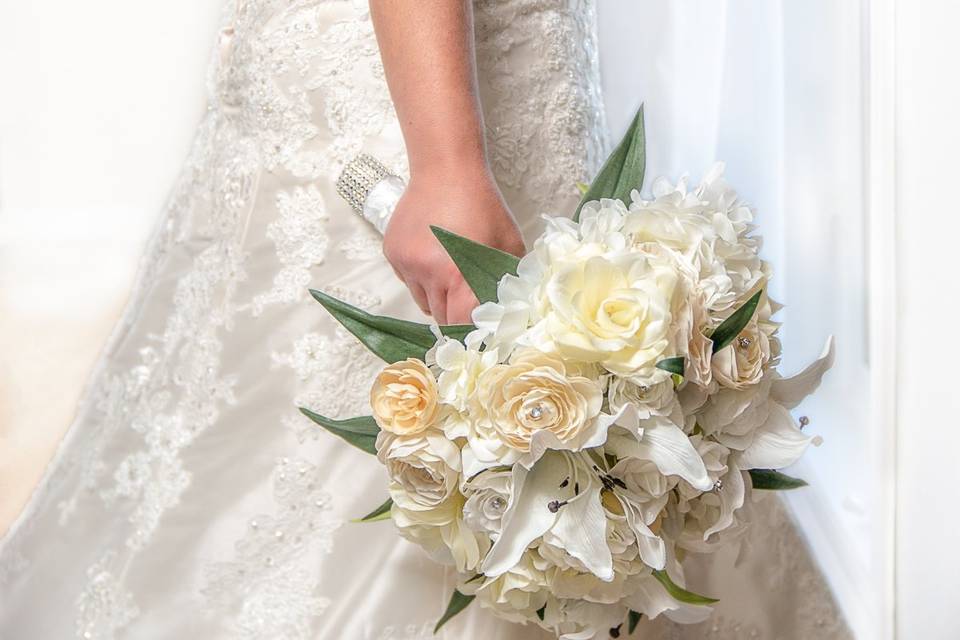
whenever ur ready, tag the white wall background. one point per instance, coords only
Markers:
(97, 106)
(927, 125)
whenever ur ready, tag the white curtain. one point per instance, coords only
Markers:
(775, 89)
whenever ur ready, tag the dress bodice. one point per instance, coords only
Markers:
(299, 76)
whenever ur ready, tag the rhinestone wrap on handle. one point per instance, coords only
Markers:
(370, 189)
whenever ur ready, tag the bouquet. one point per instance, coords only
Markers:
(611, 408)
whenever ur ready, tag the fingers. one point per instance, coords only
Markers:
(460, 303)
(437, 296)
(419, 296)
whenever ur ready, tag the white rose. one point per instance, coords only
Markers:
(424, 479)
(519, 593)
(612, 311)
(404, 397)
(658, 399)
(645, 484)
(442, 533)
(424, 469)
(488, 496)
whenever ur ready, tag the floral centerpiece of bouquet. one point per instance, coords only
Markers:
(612, 406)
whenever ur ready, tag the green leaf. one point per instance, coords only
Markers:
(391, 339)
(633, 619)
(623, 171)
(360, 432)
(583, 187)
(770, 480)
(380, 513)
(679, 593)
(673, 365)
(481, 266)
(732, 326)
(458, 602)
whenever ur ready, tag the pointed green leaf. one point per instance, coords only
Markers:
(623, 171)
(678, 593)
(583, 187)
(389, 338)
(673, 365)
(481, 266)
(732, 326)
(770, 480)
(360, 432)
(380, 513)
(633, 619)
(458, 602)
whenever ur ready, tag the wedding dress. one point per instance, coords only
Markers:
(190, 499)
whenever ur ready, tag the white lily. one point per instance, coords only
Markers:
(667, 446)
(732, 493)
(777, 443)
(789, 392)
(653, 551)
(560, 494)
(544, 440)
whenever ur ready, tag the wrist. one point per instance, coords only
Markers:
(469, 176)
(467, 162)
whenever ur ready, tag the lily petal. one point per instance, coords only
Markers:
(668, 447)
(731, 498)
(528, 516)
(791, 391)
(582, 529)
(776, 444)
(653, 551)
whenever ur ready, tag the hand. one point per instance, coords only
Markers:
(464, 201)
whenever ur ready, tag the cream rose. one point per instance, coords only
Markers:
(698, 363)
(404, 397)
(532, 395)
(614, 311)
(741, 363)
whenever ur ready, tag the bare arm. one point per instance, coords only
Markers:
(428, 55)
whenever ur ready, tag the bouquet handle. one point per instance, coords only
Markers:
(371, 190)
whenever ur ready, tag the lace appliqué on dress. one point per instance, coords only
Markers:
(269, 589)
(104, 605)
(301, 240)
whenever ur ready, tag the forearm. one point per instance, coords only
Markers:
(427, 49)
